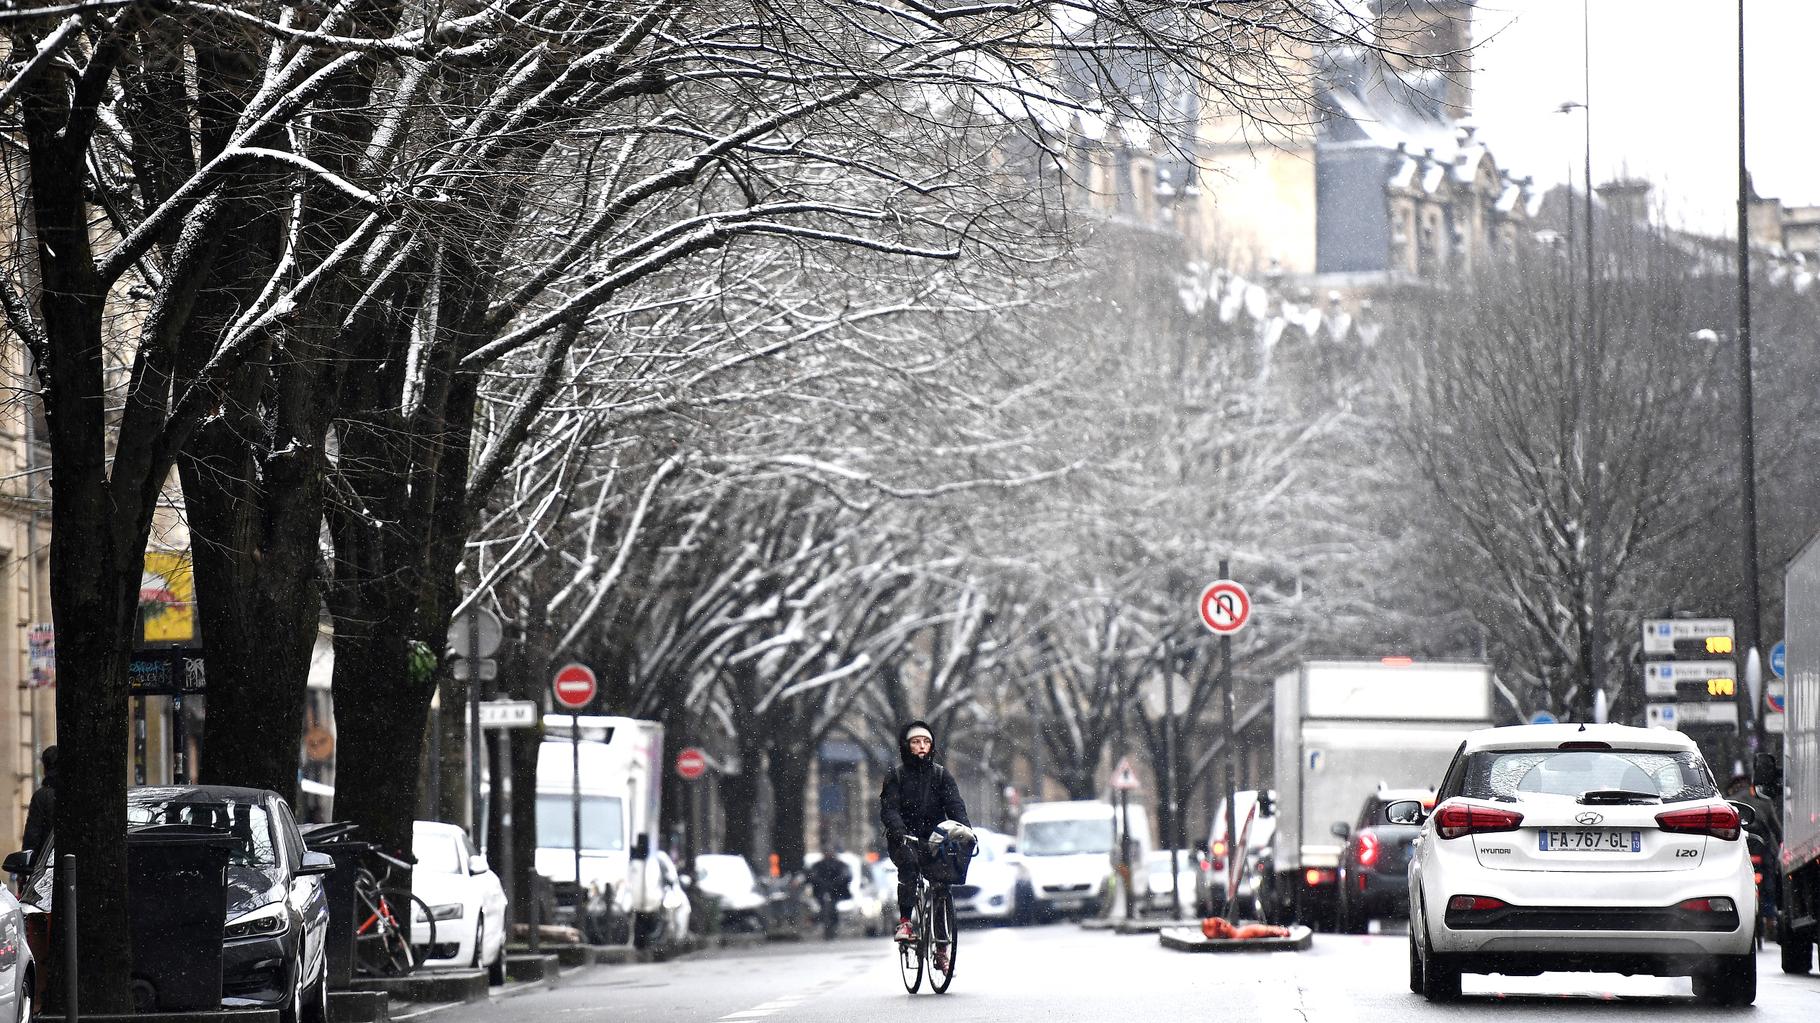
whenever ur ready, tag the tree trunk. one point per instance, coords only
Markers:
(788, 771)
(740, 795)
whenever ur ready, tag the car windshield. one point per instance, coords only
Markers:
(437, 853)
(724, 873)
(1066, 837)
(602, 823)
(250, 825)
(1508, 775)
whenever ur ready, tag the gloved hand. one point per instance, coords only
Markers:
(907, 843)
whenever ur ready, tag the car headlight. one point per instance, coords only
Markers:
(447, 911)
(268, 919)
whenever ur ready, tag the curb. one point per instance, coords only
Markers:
(452, 986)
(209, 1016)
(204, 1016)
(1184, 939)
(531, 968)
(567, 954)
(359, 1007)
(1153, 926)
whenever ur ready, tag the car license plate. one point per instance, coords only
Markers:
(1590, 840)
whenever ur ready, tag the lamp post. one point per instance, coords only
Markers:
(1592, 381)
(1751, 624)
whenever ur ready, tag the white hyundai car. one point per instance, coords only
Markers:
(1595, 848)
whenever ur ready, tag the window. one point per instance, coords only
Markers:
(250, 824)
(603, 825)
(1508, 775)
(437, 854)
(1066, 838)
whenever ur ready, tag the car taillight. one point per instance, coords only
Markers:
(1717, 821)
(1368, 849)
(1456, 820)
(1219, 854)
(1715, 905)
(1474, 903)
(1317, 877)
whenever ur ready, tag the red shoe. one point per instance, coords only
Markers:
(903, 931)
(941, 959)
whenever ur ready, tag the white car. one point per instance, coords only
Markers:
(1580, 848)
(1161, 888)
(728, 879)
(18, 975)
(671, 921)
(998, 885)
(860, 910)
(465, 897)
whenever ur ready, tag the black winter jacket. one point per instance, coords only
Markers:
(919, 794)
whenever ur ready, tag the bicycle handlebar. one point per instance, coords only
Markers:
(393, 860)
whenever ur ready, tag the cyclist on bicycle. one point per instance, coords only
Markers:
(919, 794)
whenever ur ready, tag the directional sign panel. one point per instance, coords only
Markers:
(1699, 637)
(1723, 714)
(1661, 715)
(1666, 678)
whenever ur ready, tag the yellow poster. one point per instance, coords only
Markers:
(167, 598)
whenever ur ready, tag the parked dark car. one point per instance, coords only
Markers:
(1374, 868)
(274, 937)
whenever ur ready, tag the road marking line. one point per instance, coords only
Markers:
(750, 1013)
(426, 1012)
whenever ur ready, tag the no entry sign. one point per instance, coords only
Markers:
(574, 686)
(1225, 606)
(691, 763)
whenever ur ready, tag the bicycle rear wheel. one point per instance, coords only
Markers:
(947, 937)
(912, 954)
(383, 942)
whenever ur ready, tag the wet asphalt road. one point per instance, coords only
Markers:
(1063, 974)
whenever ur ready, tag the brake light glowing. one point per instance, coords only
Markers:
(1457, 820)
(1715, 905)
(1474, 903)
(1317, 877)
(1718, 821)
(1368, 849)
(1219, 854)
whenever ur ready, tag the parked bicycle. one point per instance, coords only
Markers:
(394, 931)
(389, 921)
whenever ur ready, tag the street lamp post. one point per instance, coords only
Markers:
(1751, 624)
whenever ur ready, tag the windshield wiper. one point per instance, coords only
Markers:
(1616, 797)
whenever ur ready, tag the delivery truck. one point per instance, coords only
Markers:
(1798, 903)
(615, 773)
(1342, 730)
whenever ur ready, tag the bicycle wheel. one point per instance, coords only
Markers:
(947, 938)
(912, 954)
(385, 938)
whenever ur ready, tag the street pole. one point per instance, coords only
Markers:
(1233, 852)
(575, 801)
(1594, 352)
(1751, 624)
(1175, 868)
(476, 827)
(503, 740)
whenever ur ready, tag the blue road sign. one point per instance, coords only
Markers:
(1542, 717)
(1778, 659)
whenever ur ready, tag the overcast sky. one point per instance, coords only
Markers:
(1664, 97)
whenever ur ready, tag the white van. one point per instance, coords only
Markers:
(1071, 849)
(621, 788)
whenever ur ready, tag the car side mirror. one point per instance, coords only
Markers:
(1747, 814)
(1340, 830)
(17, 862)
(1405, 811)
(316, 863)
(477, 864)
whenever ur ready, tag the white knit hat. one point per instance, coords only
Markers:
(916, 731)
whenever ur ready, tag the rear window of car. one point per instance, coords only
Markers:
(1508, 775)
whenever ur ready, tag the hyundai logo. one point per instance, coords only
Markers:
(1590, 818)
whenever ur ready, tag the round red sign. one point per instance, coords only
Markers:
(1225, 606)
(691, 763)
(574, 686)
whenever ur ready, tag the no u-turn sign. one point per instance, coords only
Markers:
(1225, 607)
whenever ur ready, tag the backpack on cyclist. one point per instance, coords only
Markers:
(950, 851)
